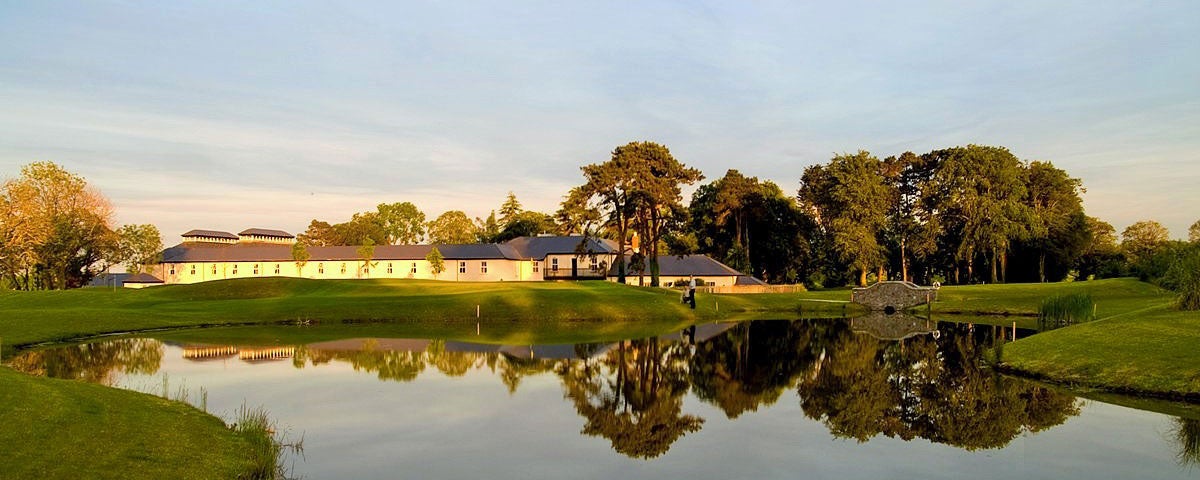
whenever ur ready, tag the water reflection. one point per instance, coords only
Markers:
(97, 362)
(860, 379)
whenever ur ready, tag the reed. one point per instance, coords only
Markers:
(1069, 309)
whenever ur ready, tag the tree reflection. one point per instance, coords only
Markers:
(633, 396)
(97, 362)
(750, 365)
(925, 387)
(1187, 434)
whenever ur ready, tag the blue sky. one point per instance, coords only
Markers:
(267, 114)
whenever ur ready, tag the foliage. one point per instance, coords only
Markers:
(639, 189)
(1140, 240)
(403, 223)
(54, 229)
(487, 230)
(1183, 276)
(453, 228)
(139, 247)
(576, 215)
(1194, 232)
(849, 198)
(525, 224)
(361, 227)
(300, 255)
(509, 208)
(1068, 309)
(773, 231)
(437, 263)
(366, 252)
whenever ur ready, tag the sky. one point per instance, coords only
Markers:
(231, 115)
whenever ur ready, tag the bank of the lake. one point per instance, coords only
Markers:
(1137, 346)
(549, 307)
(1154, 351)
(69, 429)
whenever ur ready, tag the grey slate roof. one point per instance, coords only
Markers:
(142, 278)
(538, 247)
(748, 280)
(209, 233)
(263, 232)
(258, 252)
(698, 265)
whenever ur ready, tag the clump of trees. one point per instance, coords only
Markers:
(56, 232)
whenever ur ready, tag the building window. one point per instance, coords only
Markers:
(214, 269)
(172, 269)
(536, 266)
(193, 270)
(414, 268)
(482, 267)
(343, 268)
(366, 269)
(593, 265)
(277, 269)
(235, 269)
(256, 269)
(321, 268)
(554, 265)
(389, 267)
(462, 267)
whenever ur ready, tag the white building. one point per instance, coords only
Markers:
(207, 255)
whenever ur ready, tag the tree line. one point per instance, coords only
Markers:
(973, 214)
(57, 232)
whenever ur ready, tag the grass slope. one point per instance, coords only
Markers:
(1019, 302)
(66, 429)
(1151, 351)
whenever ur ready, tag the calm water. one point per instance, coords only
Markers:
(779, 399)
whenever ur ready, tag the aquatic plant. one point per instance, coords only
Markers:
(1062, 310)
(267, 444)
(1187, 433)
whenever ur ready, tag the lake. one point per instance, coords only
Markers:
(827, 398)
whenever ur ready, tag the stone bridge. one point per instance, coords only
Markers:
(891, 297)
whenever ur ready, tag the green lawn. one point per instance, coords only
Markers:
(1003, 304)
(1155, 351)
(31, 317)
(65, 429)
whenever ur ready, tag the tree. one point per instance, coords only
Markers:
(1140, 240)
(510, 208)
(850, 199)
(1101, 254)
(577, 215)
(452, 227)
(366, 253)
(139, 247)
(54, 229)
(486, 231)
(300, 255)
(437, 263)
(319, 234)
(735, 196)
(640, 187)
(1053, 199)
(403, 223)
(1194, 232)
(978, 192)
(525, 224)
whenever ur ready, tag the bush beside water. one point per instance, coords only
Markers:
(1062, 310)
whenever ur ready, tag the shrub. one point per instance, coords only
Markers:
(1183, 276)
(1061, 310)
